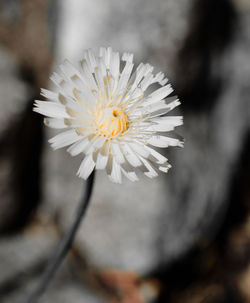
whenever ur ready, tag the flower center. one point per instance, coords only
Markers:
(111, 122)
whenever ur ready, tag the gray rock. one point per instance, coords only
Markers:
(14, 91)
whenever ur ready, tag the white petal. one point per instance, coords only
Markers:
(109, 164)
(89, 56)
(67, 88)
(117, 153)
(101, 161)
(99, 79)
(49, 94)
(78, 82)
(92, 144)
(156, 109)
(164, 124)
(137, 94)
(128, 171)
(175, 120)
(155, 156)
(156, 106)
(86, 167)
(125, 76)
(160, 78)
(151, 173)
(116, 175)
(130, 175)
(147, 81)
(78, 147)
(170, 106)
(63, 83)
(71, 103)
(55, 123)
(87, 75)
(159, 94)
(98, 143)
(50, 109)
(63, 139)
(115, 64)
(68, 69)
(140, 72)
(87, 96)
(56, 79)
(139, 149)
(165, 168)
(127, 57)
(102, 157)
(162, 141)
(130, 155)
(105, 54)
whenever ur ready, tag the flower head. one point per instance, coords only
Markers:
(109, 116)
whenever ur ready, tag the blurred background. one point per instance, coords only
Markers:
(182, 237)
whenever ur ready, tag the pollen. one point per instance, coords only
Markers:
(111, 122)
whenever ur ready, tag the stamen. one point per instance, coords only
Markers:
(111, 122)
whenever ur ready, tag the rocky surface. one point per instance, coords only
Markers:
(143, 226)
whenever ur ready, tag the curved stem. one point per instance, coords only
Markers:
(64, 245)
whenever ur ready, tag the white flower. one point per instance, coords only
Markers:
(108, 115)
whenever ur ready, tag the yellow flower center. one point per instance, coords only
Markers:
(111, 122)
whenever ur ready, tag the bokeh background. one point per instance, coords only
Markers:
(182, 237)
